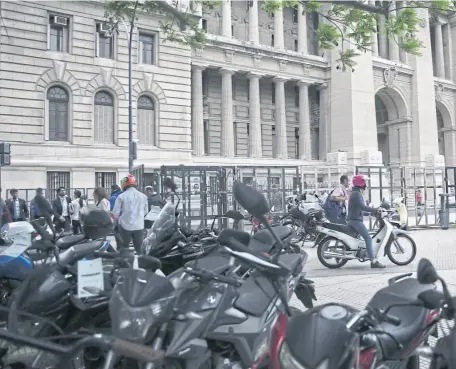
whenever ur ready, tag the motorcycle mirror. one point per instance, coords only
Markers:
(426, 273)
(250, 199)
(432, 299)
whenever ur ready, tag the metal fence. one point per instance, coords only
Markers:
(207, 191)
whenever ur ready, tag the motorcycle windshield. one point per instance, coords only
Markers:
(18, 238)
(163, 225)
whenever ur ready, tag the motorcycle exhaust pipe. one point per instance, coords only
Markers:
(339, 256)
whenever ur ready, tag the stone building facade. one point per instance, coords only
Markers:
(259, 93)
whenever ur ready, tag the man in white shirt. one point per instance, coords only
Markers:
(129, 211)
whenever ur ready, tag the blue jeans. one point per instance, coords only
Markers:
(359, 227)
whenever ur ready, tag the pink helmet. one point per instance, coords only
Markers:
(360, 180)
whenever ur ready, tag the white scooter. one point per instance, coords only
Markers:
(342, 243)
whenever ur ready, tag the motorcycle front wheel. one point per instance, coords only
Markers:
(331, 244)
(395, 247)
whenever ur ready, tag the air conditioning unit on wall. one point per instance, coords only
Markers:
(61, 21)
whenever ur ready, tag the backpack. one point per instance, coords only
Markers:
(332, 208)
(37, 209)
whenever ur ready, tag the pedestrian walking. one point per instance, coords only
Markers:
(61, 208)
(336, 204)
(115, 192)
(17, 207)
(75, 212)
(129, 211)
(35, 212)
(101, 199)
(155, 203)
(5, 216)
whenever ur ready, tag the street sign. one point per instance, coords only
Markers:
(5, 154)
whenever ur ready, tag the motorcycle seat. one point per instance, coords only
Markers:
(341, 228)
(255, 295)
(68, 241)
(266, 237)
(412, 318)
(215, 263)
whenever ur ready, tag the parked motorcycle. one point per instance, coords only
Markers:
(394, 324)
(342, 243)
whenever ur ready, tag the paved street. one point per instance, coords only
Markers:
(355, 283)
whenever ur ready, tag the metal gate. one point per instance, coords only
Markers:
(202, 191)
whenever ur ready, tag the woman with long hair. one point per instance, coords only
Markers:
(75, 211)
(101, 199)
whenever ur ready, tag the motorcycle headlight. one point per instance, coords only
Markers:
(136, 323)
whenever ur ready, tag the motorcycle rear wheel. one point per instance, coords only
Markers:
(389, 252)
(321, 249)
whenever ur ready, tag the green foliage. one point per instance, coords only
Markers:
(348, 26)
(176, 26)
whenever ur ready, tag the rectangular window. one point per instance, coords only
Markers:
(233, 87)
(236, 135)
(295, 45)
(273, 93)
(296, 132)
(104, 45)
(56, 180)
(272, 40)
(105, 180)
(297, 96)
(205, 83)
(204, 24)
(274, 142)
(58, 33)
(146, 50)
(248, 140)
(206, 137)
(295, 14)
(232, 30)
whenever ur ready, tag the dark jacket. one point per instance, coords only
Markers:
(5, 216)
(113, 198)
(357, 206)
(23, 209)
(57, 205)
(156, 200)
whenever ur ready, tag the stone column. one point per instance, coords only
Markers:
(304, 122)
(197, 111)
(383, 40)
(227, 139)
(448, 51)
(280, 118)
(279, 41)
(449, 139)
(438, 54)
(323, 131)
(226, 18)
(302, 30)
(392, 44)
(402, 53)
(374, 37)
(254, 35)
(255, 139)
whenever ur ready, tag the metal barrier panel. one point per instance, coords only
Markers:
(323, 179)
(275, 183)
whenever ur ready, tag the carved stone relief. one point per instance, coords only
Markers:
(439, 90)
(305, 69)
(229, 56)
(389, 76)
(256, 61)
(282, 65)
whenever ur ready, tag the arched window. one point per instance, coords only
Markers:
(58, 113)
(146, 121)
(104, 118)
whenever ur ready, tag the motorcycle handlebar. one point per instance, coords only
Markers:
(206, 274)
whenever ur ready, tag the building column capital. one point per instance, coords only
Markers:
(303, 83)
(227, 71)
(253, 75)
(197, 67)
(322, 86)
(280, 79)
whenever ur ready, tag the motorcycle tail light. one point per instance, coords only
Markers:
(278, 336)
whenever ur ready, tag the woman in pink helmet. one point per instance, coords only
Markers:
(356, 209)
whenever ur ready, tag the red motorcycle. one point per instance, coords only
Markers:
(394, 324)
